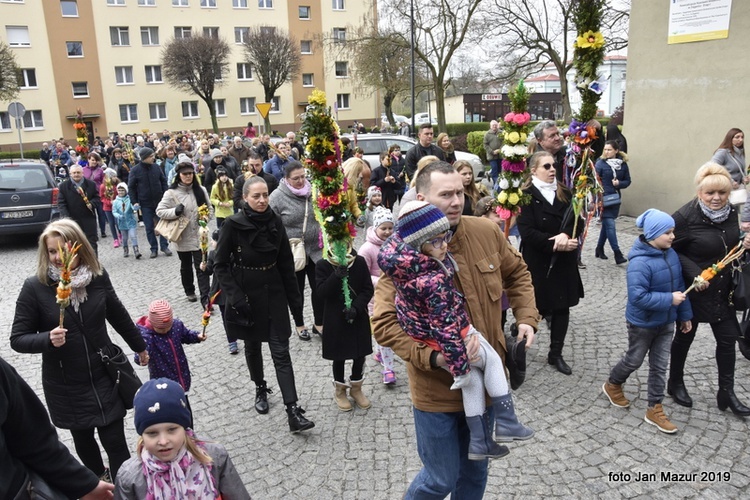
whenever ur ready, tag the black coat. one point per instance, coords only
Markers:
(77, 387)
(146, 185)
(271, 293)
(71, 204)
(701, 243)
(342, 340)
(538, 222)
(377, 178)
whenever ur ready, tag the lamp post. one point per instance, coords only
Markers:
(413, 107)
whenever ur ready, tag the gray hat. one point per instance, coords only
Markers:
(215, 153)
(145, 153)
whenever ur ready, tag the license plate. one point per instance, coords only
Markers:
(21, 214)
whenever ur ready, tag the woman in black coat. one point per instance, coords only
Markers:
(80, 394)
(550, 250)
(255, 269)
(706, 228)
(387, 181)
(346, 331)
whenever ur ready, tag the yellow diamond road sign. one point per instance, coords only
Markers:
(263, 108)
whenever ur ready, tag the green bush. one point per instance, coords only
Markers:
(31, 154)
(475, 144)
(464, 128)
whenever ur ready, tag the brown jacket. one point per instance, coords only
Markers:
(486, 261)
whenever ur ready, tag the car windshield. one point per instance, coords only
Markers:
(22, 179)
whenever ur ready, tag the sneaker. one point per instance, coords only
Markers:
(389, 377)
(304, 335)
(233, 349)
(116, 243)
(141, 224)
(167, 252)
(377, 357)
(192, 298)
(153, 255)
(655, 416)
(615, 395)
(104, 235)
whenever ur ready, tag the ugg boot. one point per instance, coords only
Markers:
(339, 395)
(136, 252)
(507, 426)
(125, 251)
(481, 446)
(357, 395)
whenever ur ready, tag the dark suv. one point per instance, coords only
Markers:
(28, 197)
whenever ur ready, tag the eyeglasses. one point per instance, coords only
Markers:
(547, 166)
(437, 243)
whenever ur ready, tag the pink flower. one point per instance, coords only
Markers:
(352, 229)
(503, 213)
(521, 119)
(509, 117)
(323, 203)
(513, 166)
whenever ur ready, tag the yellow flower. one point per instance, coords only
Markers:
(590, 39)
(513, 137)
(579, 196)
(502, 197)
(524, 137)
(318, 98)
(582, 178)
(513, 199)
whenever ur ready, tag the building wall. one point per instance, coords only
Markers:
(681, 101)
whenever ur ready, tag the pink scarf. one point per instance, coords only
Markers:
(304, 192)
(183, 477)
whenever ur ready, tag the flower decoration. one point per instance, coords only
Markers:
(710, 272)
(68, 254)
(206, 317)
(203, 215)
(86, 200)
(590, 40)
(323, 159)
(82, 135)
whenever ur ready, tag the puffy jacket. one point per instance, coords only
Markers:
(122, 209)
(146, 185)
(167, 357)
(653, 275)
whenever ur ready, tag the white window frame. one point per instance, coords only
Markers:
(302, 47)
(312, 80)
(211, 32)
(18, 36)
(151, 76)
(67, 48)
(146, 3)
(339, 35)
(116, 3)
(239, 4)
(84, 85)
(25, 82)
(309, 12)
(220, 107)
(119, 31)
(157, 107)
(69, 2)
(131, 113)
(338, 5)
(340, 98)
(240, 34)
(265, 4)
(247, 106)
(152, 33)
(182, 31)
(267, 30)
(191, 106)
(180, 3)
(5, 122)
(33, 120)
(242, 72)
(336, 69)
(208, 4)
(122, 73)
(275, 104)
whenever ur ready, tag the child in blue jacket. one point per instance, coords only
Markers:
(656, 299)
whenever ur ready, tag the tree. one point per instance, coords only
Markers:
(534, 34)
(198, 65)
(8, 73)
(275, 57)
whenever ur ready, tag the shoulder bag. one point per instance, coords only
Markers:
(298, 244)
(171, 229)
(609, 200)
(37, 488)
(739, 296)
(738, 196)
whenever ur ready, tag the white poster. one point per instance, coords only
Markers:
(698, 20)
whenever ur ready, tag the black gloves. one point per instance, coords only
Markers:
(350, 314)
(179, 209)
(340, 271)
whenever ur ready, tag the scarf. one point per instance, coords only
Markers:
(615, 163)
(715, 216)
(548, 189)
(80, 277)
(265, 239)
(183, 477)
(303, 192)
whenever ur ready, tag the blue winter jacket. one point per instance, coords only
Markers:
(653, 275)
(122, 209)
(167, 357)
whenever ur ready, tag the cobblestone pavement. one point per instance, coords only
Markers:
(583, 448)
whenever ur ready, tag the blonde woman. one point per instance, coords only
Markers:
(357, 173)
(472, 194)
(444, 143)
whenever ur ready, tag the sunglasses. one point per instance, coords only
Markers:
(437, 243)
(547, 166)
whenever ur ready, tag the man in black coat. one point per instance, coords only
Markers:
(72, 203)
(146, 186)
(419, 151)
(254, 167)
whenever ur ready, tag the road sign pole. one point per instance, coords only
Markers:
(20, 142)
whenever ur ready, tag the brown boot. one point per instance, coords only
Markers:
(655, 416)
(615, 395)
(357, 395)
(339, 395)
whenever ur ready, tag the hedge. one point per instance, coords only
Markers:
(31, 154)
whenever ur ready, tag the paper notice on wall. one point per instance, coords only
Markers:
(698, 20)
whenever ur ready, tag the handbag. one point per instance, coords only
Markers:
(739, 296)
(36, 488)
(298, 245)
(738, 196)
(609, 200)
(171, 229)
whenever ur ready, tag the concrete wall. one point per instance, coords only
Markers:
(681, 101)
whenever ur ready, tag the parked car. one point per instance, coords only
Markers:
(28, 197)
(373, 144)
(421, 118)
(399, 118)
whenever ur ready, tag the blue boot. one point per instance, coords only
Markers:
(507, 426)
(481, 445)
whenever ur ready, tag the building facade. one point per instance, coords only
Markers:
(468, 108)
(104, 57)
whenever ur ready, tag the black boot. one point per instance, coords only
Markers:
(599, 253)
(679, 393)
(559, 363)
(727, 399)
(297, 421)
(261, 398)
(619, 258)
(557, 340)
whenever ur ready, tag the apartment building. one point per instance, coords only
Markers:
(104, 57)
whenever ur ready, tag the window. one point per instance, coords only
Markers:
(18, 36)
(306, 46)
(153, 74)
(182, 31)
(190, 109)
(119, 35)
(244, 71)
(69, 8)
(338, 4)
(179, 3)
(80, 89)
(4, 121)
(342, 101)
(149, 35)
(339, 34)
(157, 111)
(27, 78)
(211, 32)
(147, 3)
(304, 12)
(239, 4)
(220, 106)
(75, 49)
(208, 3)
(124, 75)
(115, 2)
(267, 30)
(275, 104)
(342, 69)
(33, 119)
(247, 105)
(265, 4)
(307, 80)
(240, 34)
(128, 113)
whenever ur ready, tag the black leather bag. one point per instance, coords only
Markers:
(121, 372)
(609, 200)
(740, 295)
(36, 488)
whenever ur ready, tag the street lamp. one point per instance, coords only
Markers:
(413, 108)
